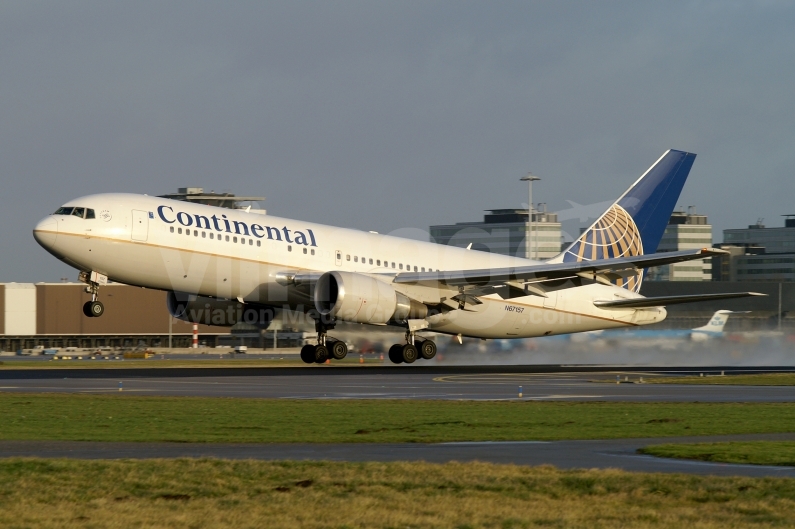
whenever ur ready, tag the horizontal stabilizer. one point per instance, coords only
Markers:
(638, 303)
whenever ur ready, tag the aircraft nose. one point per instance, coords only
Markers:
(46, 231)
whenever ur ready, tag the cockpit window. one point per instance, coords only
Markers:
(64, 211)
(79, 212)
(90, 214)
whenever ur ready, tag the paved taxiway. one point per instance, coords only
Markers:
(575, 383)
(619, 453)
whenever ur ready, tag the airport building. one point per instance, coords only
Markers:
(196, 195)
(758, 253)
(51, 315)
(506, 232)
(685, 231)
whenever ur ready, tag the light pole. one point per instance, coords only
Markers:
(530, 178)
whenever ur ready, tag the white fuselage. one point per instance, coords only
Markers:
(179, 246)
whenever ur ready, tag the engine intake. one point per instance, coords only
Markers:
(361, 298)
(221, 312)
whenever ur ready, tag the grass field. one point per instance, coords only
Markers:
(766, 379)
(193, 419)
(214, 493)
(781, 453)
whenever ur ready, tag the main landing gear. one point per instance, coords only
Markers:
(326, 348)
(93, 308)
(414, 348)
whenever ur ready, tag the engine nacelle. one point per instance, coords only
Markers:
(221, 312)
(361, 298)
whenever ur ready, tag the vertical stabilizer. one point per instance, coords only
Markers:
(717, 322)
(635, 223)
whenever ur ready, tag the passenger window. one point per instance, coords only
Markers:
(423, 268)
(393, 264)
(79, 212)
(187, 232)
(378, 262)
(195, 233)
(401, 266)
(204, 235)
(242, 240)
(347, 257)
(90, 214)
(172, 229)
(227, 238)
(212, 235)
(415, 268)
(355, 258)
(313, 251)
(234, 239)
(258, 243)
(364, 260)
(64, 211)
(289, 248)
(304, 251)
(371, 261)
(251, 242)
(179, 230)
(339, 256)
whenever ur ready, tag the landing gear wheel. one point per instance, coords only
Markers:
(321, 354)
(93, 309)
(396, 354)
(409, 353)
(427, 349)
(338, 350)
(308, 354)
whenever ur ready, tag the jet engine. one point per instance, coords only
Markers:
(361, 298)
(221, 312)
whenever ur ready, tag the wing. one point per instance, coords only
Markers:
(602, 270)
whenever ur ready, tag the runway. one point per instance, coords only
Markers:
(572, 383)
(601, 454)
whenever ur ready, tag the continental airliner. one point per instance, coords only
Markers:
(222, 266)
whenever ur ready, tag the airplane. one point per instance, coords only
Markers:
(222, 266)
(647, 337)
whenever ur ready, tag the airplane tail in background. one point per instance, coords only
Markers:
(635, 223)
(717, 322)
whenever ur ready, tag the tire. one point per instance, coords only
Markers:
(427, 349)
(338, 350)
(409, 353)
(321, 354)
(396, 354)
(308, 354)
(97, 309)
(87, 309)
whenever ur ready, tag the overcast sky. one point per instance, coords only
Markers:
(391, 116)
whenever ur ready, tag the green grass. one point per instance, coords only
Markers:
(187, 493)
(192, 419)
(767, 379)
(780, 453)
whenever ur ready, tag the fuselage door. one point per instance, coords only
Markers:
(338, 258)
(140, 225)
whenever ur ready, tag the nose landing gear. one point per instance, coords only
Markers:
(93, 308)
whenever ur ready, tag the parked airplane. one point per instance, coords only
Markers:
(647, 337)
(223, 266)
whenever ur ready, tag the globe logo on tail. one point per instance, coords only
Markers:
(613, 235)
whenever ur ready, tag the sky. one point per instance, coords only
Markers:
(391, 116)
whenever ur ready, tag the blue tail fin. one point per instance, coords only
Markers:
(635, 223)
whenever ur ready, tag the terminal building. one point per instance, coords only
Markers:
(685, 231)
(758, 253)
(506, 232)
